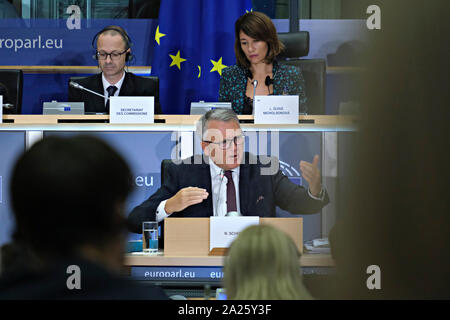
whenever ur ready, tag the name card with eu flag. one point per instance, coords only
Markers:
(132, 109)
(223, 230)
(276, 110)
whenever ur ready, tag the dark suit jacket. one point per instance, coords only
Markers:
(259, 195)
(132, 85)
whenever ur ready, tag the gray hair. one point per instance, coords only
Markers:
(219, 114)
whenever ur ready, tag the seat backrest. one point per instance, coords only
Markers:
(296, 44)
(11, 81)
(314, 73)
(75, 79)
(313, 70)
(164, 163)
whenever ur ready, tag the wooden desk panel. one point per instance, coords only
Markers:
(175, 119)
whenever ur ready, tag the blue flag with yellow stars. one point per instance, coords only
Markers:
(194, 42)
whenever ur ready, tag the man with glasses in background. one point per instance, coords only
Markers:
(112, 47)
(228, 181)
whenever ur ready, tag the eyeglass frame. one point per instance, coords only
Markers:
(227, 142)
(110, 55)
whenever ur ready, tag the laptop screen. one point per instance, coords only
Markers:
(203, 107)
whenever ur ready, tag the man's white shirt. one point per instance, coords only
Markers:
(106, 84)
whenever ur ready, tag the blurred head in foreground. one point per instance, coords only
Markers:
(68, 196)
(397, 210)
(263, 264)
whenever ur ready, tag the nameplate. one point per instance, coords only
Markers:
(132, 109)
(1, 109)
(276, 110)
(223, 230)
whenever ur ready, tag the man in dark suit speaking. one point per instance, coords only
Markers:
(112, 51)
(227, 181)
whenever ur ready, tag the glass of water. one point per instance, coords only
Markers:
(150, 237)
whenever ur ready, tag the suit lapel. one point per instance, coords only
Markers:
(244, 185)
(99, 102)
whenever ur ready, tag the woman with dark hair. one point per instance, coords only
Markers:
(256, 48)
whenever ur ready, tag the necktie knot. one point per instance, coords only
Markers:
(111, 90)
(228, 174)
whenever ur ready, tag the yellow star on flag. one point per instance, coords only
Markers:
(158, 35)
(218, 66)
(177, 60)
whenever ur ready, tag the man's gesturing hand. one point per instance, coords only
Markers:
(184, 198)
(311, 173)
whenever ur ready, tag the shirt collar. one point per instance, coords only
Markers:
(216, 170)
(118, 85)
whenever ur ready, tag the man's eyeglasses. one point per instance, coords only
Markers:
(225, 144)
(114, 55)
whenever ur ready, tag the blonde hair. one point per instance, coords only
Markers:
(263, 264)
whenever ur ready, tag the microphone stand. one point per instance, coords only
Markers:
(255, 84)
(79, 86)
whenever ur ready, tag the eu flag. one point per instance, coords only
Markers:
(194, 42)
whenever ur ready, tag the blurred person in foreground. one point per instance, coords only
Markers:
(397, 215)
(263, 263)
(256, 48)
(68, 197)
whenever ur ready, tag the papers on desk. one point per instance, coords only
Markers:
(317, 246)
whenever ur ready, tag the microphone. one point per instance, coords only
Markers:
(255, 84)
(268, 81)
(79, 86)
